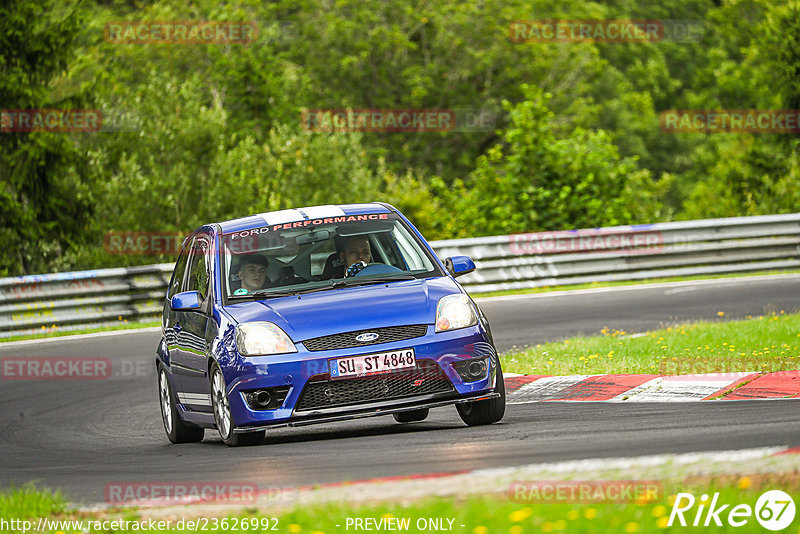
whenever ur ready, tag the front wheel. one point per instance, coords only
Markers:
(222, 414)
(487, 411)
(177, 431)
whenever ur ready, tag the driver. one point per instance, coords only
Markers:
(252, 273)
(355, 254)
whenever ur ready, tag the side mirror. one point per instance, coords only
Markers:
(188, 300)
(458, 265)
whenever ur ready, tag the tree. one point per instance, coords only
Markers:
(537, 180)
(754, 173)
(44, 196)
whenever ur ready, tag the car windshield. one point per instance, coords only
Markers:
(313, 255)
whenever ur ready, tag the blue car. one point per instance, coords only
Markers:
(319, 314)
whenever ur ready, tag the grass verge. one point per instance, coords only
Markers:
(766, 343)
(512, 513)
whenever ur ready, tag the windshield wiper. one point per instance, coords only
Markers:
(350, 282)
(266, 294)
(258, 295)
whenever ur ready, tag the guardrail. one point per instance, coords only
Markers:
(80, 300)
(683, 248)
(85, 299)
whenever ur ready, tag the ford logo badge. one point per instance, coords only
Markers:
(367, 337)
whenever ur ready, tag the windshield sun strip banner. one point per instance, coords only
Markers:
(294, 224)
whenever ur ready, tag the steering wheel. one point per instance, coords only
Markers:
(378, 268)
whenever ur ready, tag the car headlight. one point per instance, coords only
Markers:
(258, 339)
(453, 312)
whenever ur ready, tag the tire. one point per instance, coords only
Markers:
(222, 414)
(487, 411)
(412, 416)
(177, 431)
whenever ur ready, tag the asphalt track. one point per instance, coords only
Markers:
(82, 435)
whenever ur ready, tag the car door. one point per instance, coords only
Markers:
(170, 318)
(191, 357)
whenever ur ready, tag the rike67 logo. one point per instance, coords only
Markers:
(774, 510)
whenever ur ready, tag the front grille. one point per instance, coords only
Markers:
(348, 339)
(322, 392)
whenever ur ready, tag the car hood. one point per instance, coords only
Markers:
(349, 309)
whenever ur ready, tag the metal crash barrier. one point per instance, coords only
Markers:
(86, 299)
(82, 299)
(684, 248)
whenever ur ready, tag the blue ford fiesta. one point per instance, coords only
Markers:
(319, 314)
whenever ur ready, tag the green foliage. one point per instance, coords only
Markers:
(429, 211)
(203, 132)
(753, 174)
(538, 180)
(781, 51)
(290, 169)
(44, 196)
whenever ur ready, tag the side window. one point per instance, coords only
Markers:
(409, 253)
(178, 273)
(198, 268)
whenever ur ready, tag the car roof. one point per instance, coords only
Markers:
(301, 214)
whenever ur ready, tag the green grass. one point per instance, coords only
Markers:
(501, 514)
(59, 332)
(28, 501)
(595, 285)
(485, 514)
(767, 343)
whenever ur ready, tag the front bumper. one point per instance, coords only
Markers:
(368, 411)
(297, 370)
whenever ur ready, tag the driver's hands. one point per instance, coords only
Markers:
(355, 268)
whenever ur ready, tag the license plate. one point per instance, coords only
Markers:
(371, 364)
